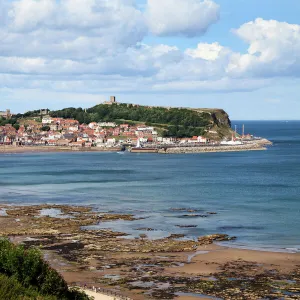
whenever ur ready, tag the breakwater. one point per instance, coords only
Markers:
(251, 146)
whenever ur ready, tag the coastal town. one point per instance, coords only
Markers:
(68, 133)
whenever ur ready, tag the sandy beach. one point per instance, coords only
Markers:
(42, 149)
(99, 296)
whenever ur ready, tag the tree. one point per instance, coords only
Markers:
(45, 128)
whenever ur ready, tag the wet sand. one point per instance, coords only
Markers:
(45, 149)
(25, 149)
(98, 296)
(208, 263)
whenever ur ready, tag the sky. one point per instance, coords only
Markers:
(239, 55)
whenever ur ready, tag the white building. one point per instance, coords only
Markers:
(47, 120)
(107, 124)
(93, 125)
(202, 139)
(231, 143)
(145, 129)
(111, 141)
(73, 128)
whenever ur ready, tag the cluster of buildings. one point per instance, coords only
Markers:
(69, 132)
(46, 130)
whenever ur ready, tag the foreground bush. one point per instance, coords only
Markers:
(11, 289)
(24, 273)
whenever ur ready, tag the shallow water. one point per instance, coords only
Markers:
(256, 194)
(54, 213)
(3, 213)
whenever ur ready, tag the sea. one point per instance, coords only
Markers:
(255, 194)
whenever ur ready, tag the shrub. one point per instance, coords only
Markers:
(27, 269)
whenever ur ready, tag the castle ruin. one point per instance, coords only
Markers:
(6, 114)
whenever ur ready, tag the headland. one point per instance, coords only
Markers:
(115, 126)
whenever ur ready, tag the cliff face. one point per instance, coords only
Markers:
(220, 123)
(221, 118)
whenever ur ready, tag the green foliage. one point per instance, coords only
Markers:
(11, 289)
(75, 113)
(13, 121)
(29, 273)
(16, 126)
(175, 121)
(33, 113)
(45, 128)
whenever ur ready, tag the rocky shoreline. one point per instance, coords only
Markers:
(141, 268)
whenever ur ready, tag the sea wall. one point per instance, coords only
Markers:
(259, 145)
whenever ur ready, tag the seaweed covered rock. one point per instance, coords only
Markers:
(209, 239)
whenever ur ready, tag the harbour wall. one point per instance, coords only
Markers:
(234, 148)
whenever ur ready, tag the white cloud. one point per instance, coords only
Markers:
(76, 29)
(181, 17)
(274, 50)
(96, 46)
(25, 15)
(207, 51)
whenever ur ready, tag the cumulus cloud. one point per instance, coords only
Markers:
(96, 46)
(27, 15)
(207, 51)
(75, 29)
(181, 17)
(274, 49)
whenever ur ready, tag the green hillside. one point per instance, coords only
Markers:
(180, 122)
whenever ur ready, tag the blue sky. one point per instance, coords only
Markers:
(241, 55)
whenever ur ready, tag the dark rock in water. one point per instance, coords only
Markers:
(209, 239)
(186, 226)
(211, 213)
(184, 209)
(176, 236)
(146, 229)
(193, 216)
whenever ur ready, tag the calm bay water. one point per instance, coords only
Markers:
(256, 194)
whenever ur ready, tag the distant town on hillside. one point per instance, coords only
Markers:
(114, 124)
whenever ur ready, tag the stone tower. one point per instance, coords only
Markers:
(8, 114)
